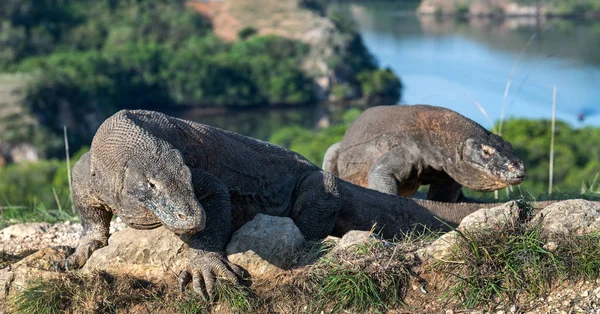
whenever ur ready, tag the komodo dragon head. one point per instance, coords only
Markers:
(489, 164)
(162, 185)
(147, 178)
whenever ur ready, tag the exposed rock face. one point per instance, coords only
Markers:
(149, 254)
(265, 245)
(571, 217)
(483, 219)
(23, 230)
(484, 7)
(34, 236)
(288, 19)
(35, 266)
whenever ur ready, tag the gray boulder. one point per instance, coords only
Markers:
(483, 219)
(572, 217)
(148, 254)
(265, 245)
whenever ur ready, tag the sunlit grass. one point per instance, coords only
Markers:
(515, 263)
(101, 292)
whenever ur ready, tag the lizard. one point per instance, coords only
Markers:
(396, 149)
(203, 183)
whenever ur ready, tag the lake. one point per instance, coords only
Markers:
(465, 65)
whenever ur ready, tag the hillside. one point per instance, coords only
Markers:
(586, 8)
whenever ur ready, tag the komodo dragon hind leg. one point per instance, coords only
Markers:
(316, 205)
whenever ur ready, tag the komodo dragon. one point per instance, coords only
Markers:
(395, 149)
(203, 183)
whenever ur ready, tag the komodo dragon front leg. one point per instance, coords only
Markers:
(95, 221)
(206, 254)
(95, 217)
(391, 174)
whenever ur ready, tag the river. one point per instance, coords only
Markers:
(466, 65)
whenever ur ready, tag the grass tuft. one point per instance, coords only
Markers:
(370, 276)
(515, 263)
(101, 292)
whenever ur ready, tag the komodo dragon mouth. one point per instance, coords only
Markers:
(143, 226)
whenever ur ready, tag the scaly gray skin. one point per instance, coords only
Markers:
(203, 183)
(395, 149)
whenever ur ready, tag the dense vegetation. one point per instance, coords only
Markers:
(576, 153)
(88, 59)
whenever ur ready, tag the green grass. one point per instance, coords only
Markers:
(370, 276)
(101, 292)
(514, 264)
(34, 213)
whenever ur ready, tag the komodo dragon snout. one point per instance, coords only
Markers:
(162, 187)
(493, 162)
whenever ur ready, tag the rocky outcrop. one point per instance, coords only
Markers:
(510, 8)
(153, 255)
(39, 265)
(290, 19)
(34, 236)
(571, 217)
(265, 245)
(482, 220)
(481, 8)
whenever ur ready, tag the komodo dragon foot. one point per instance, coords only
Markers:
(203, 270)
(81, 255)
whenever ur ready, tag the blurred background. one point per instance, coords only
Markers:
(295, 73)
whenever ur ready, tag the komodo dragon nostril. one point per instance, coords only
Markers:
(180, 216)
(514, 165)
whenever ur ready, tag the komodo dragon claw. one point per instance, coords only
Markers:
(78, 259)
(205, 270)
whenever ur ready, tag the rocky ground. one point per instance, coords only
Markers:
(150, 254)
(19, 238)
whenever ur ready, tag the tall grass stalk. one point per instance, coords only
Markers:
(68, 169)
(551, 170)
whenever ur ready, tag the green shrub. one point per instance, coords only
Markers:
(461, 10)
(246, 32)
(381, 87)
(36, 189)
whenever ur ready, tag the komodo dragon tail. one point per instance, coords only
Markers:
(393, 215)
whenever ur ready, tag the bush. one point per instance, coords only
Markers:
(246, 32)
(380, 86)
(27, 187)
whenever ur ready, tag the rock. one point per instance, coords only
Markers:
(570, 217)
(23, 230)
(440, 249)
(491, 218)
(483, 219)
(39, 265)
(148, 254)
(265, 245)
(355, 237)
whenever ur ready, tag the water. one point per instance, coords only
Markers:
(463, 64)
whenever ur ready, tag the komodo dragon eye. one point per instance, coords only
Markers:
(151, 185)
(487, 151)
